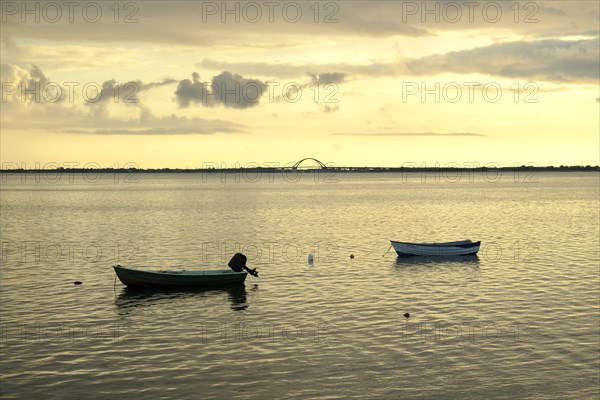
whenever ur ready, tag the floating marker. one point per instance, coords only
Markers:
(352, 256)
(311, 258)
(77, 283)
(407, 315)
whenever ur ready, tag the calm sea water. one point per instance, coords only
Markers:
(521, 320)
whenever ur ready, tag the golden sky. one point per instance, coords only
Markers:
(378, 83)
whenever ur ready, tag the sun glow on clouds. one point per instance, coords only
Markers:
(373, 88)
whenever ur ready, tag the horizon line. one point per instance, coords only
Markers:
(336, 168)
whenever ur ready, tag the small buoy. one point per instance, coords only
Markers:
(311, 258)
(407, 315)
(77, 283)
(351, 255)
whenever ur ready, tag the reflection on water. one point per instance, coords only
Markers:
(130, 300)
(436, 260)
(333, 329)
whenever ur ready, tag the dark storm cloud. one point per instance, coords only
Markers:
(227, 89)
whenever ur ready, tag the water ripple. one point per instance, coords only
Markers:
(518, 321)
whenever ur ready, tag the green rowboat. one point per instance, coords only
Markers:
(137, 278)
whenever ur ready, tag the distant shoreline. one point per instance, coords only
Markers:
(575, 168)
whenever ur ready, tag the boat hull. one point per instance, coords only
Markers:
(136, 278)
(459, 248)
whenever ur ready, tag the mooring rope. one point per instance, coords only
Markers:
(388, 250)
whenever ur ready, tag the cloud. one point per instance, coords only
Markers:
(450, 134)
(61, 119)
(207, 127)
(67, 57)
(547, 60)
(234, 91)
(561, 61)
(327, 77)
(296, 70)
(23, 111)
(28, 85)
(227, 89)
(124, 92)
(160, 22)
(149, 124)
(33, 86)
(146, 86)
(189, 91)
(329, 109)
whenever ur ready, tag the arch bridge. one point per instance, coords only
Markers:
(323, 166)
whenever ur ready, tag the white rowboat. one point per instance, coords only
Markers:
(458, 248)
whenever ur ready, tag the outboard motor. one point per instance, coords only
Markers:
(238, 262)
